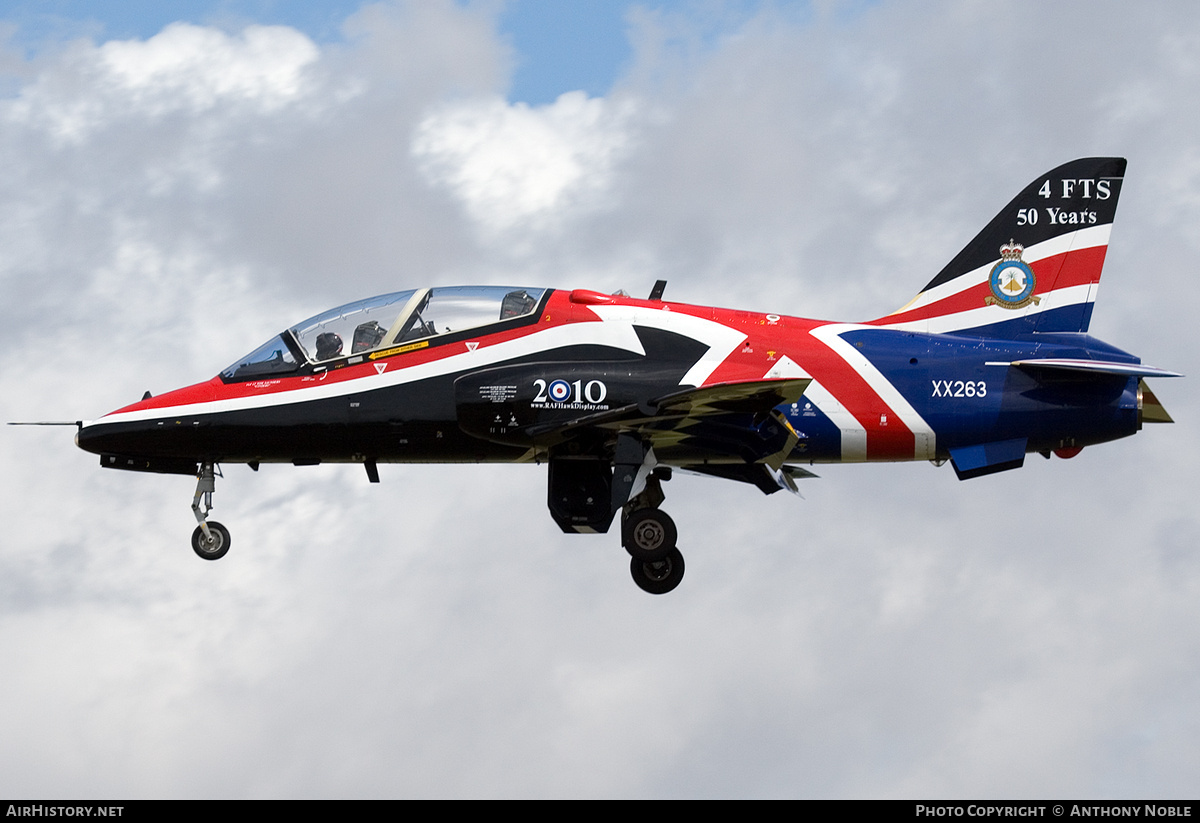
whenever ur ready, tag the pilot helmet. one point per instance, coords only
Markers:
(515, 304)
(328, 345)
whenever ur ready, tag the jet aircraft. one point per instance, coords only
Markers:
(991, 361)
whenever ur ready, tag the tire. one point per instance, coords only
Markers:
(658, 577)
(215, 549)
(649, 535)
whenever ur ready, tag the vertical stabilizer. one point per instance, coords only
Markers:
(1035, 267)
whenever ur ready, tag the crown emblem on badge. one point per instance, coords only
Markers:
(1011, 251)
(1012, 281)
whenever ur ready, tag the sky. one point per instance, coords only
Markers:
(181, 181)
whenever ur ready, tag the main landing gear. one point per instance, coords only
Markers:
(210, 540)
(649, 535)
(588, 486)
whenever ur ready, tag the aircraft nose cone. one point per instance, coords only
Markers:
(134, 447)
(115, 438)
(92, 438)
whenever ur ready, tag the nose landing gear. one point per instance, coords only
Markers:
(210, 540)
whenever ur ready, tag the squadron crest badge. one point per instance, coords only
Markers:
(1012, 280)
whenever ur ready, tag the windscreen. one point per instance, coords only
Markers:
(271, 358)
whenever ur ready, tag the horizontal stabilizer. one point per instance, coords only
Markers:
(988, 458)
(1092, 366)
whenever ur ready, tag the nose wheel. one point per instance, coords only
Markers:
(210, 540)
(214, 545)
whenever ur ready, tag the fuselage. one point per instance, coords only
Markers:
(439, 395)
(990, 361)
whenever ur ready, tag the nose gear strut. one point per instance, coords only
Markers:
(210, 540)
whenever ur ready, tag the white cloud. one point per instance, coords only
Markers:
(513, 166)
(183, 69)
(200, 68)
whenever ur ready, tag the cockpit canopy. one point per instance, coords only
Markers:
(379, 322)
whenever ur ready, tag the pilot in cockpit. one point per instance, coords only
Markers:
(516, 304)
(329, 345)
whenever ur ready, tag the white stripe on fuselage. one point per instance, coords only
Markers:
(923, 434)
(853, 435)
(613, 335)
(720, 339)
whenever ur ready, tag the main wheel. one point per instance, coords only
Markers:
(660, 576)
(213, 549)
(649, 535)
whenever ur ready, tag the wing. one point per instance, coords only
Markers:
(728, 430)
(546, 406)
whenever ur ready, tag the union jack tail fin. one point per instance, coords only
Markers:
(1035, 267)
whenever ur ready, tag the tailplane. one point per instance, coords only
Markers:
(1035, 267)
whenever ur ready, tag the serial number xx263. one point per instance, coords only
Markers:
(959, 388)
